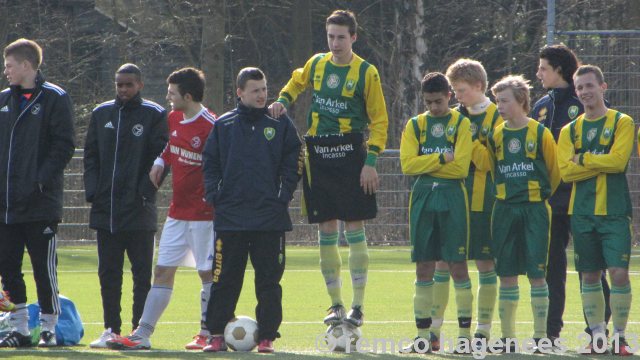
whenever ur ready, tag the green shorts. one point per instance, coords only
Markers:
(439, 221)
(520, 238)
(601, 242)
(480, 234)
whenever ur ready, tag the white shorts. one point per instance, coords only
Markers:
(187, 243)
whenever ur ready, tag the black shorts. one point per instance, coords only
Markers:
(331, 182)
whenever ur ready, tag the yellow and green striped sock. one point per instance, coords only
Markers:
(507, 306)
(464, 304)
(330, 263)
(440, 299)
(593, 304)
(487, 294)
(620, 302)
(422, 302)
(358, 264)
(540, 308)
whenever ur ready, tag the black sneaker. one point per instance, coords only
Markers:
(335, 316)
(463, 346)
(508, 346)
(15, 339)
(476, 342)
(417, 347)
(355, 316)
(47, 339)
(434, 340)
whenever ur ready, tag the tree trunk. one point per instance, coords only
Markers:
(212, 53)
(302, 50)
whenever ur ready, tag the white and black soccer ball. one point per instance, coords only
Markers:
(338, 336)
(241, 333)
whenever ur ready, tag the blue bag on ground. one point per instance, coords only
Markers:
(69, 330)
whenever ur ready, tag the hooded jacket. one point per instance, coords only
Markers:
(123, 140)
(555, 110)
(36, 143)
(251, 170)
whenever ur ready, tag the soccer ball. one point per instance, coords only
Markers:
(241, 333)
(338, 336)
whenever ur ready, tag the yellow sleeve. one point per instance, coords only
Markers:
(549, 149)
(481, 155)
(618, 157)
(297, 84)
(459, 167)
(570, 171)
(410, 161)
(377, 113)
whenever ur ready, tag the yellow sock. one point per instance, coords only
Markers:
(507, 306)
(330, 263)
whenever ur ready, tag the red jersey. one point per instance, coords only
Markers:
(184, 154)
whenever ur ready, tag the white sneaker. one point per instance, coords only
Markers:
(101, 342)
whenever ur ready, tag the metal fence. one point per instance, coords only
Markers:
(389, 228)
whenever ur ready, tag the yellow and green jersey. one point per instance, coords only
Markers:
(346, 98)
(524, 163)
(599, 178)
(426, 138)
(479, 182)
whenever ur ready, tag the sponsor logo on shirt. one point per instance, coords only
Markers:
(4, 109)
(591, 134)
(269, 133)
(573, 111)
(108, 125)
(196, 142)
(35, 109)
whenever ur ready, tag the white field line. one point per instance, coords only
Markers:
(90, 271)
(378, 322)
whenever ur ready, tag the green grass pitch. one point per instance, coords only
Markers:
(388, 307)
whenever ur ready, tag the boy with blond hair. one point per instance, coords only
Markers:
(525, 172)
(468, 80)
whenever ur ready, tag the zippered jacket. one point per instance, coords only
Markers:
(555, 110)
(123, 140)
(251, 170)
(36, 143)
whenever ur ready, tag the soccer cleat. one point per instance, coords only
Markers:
(478, 339)
(198, 343)
(265, 346)
(600, 349)
(101, 342)
(355, 316)
(434, 340)
(131, 342)
(47, 339)
(335, 316)
(620, 347)
(216, 343)
(417, 347)
(5, 302)
(15, 339)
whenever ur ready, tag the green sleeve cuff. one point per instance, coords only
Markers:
(442, 160)
(372, 159)
(581, 159)
(283, 101)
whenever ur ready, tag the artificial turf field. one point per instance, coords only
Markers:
(388, 308)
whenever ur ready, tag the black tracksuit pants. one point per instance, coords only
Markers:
(40, 241)
(267, 252)
(557, 274)
(111, 249)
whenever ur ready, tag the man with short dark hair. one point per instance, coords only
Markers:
(593, 155)
(251, 169)
(187, 236)
(36, 143)
(347, 102)
(124, 138)
(560, 106)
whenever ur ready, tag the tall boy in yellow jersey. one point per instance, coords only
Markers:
(593, 154)
(436, 147)
(525, 175)
(340, 180)
(468, 80)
